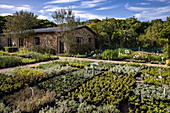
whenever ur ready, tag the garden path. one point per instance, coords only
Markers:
(85, 59)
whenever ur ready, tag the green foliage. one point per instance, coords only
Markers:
(27, 60)
(1, 53)
(65, 83)
(42, 50)
(109, 54)
(11, 49)
(152, 92)
(37, 56)
(71, 106)
(29, 99)
(19, 77)
(8, 61)
(125, 69)
(45, 24)
(51, 64)
(157, 71)
(4, 108)
(2, 23)
(150, 98)
(72, 55)
(14, 28)
(62, 16)
(107, 88)
(117, 54)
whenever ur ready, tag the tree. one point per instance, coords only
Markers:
(67, 21)
(20, 24)
(165, 33)
(45, 24)
(2, 23)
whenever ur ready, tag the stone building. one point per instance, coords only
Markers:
(52, 38)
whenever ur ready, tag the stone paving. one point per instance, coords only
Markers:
(85, 59)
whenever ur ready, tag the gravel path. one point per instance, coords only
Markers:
(85, 59)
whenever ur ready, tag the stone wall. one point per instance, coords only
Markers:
(53, 40)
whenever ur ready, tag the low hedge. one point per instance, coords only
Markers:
(72, 55)
(8, 61)
(11, 49)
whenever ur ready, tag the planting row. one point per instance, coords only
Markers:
(73, 86)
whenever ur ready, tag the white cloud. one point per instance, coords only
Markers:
(144, 3)
(150, 13)
(24, 7)
(3, 6)
(52, 8)
(42, 17)
(137, 9)
(15, 8)
(61, 1)
(110, 7)
(86, 15)
(91, 4)
(5, 14)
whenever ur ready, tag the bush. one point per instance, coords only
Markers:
(1, 53)
(27, 60)
(72, 55)
(8, 61)
(168, 64)
(29, 99)
(109, 54)
(11, 49)
(37, 56)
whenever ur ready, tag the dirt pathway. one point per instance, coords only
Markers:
(85, 59)
(117, 62)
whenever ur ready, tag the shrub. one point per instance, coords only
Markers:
(124, 51)
(109, 54)
(27, 60)
(3, 108)
(11, 49)
(37, 56)
(29, 99)
(1, 53)
(72, 55)
(8, 61)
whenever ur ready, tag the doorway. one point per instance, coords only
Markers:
(61, 47)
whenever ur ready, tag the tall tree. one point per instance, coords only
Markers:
(67, 21)
(165, 33)
(20, 24)
(2, 23)
(45, 24)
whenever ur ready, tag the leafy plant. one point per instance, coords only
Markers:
(29, 99)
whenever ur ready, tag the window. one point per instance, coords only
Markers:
(90, 39)
(78, 40)
(21, 42)
(37, 41)
(9, 42)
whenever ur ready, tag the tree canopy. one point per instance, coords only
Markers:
(131, 32)
(20, 24)
(66, 20)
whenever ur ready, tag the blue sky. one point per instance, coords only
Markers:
(144, 10)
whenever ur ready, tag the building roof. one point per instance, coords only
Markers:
(58, 29)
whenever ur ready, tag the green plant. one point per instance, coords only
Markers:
(8, 61)
(4, 108)
(66, 82)
(29, 99)
(107, 88)
(109, 54)
(27, 60)
(11, 49)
